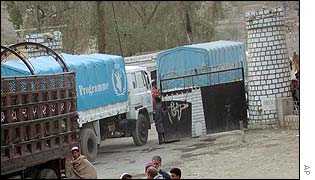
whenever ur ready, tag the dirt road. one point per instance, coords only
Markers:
(265, 154)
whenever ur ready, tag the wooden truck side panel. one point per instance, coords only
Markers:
(38, 120)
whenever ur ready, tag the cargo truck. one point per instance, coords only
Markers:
(113, 100)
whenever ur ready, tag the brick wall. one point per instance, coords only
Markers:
(52, 40)
(268, 65)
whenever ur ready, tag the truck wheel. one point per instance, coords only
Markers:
(47, 173)
(88, 144)
(140, 133)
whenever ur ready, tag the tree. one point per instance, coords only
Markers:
(186, 7)
(141, 9)
(14, 14)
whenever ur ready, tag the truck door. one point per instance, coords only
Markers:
(140, 91)
(144, 90)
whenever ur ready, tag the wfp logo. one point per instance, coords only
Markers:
(119, 80)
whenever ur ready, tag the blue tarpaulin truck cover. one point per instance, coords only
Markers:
(195, 59)
(100, 78)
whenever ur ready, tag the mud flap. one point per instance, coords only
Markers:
(177, 119)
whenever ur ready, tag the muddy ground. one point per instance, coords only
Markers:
(266, 154)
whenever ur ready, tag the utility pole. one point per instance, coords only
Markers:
(101, 43)
(121, 51)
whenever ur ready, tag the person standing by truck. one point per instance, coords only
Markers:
(155, 93)
(158, 118)
(81, 167)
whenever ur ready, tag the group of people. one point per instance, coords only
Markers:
(83, 169)
(153, 171)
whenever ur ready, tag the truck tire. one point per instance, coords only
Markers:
(89, 145)
(47, 173)
(140, 132)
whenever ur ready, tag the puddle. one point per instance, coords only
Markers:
(117, 151)
(192, 147)
(151, 149)
(190, 155)
(210, 139)
(132, 161)
(271, 145)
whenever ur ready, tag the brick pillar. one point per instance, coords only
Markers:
(268, 65)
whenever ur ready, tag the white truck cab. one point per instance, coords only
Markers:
(139, 89)
(140, 103)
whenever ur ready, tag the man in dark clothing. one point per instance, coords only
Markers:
(158, 118)
(155, 93)
(157, 161)
(176, 173)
